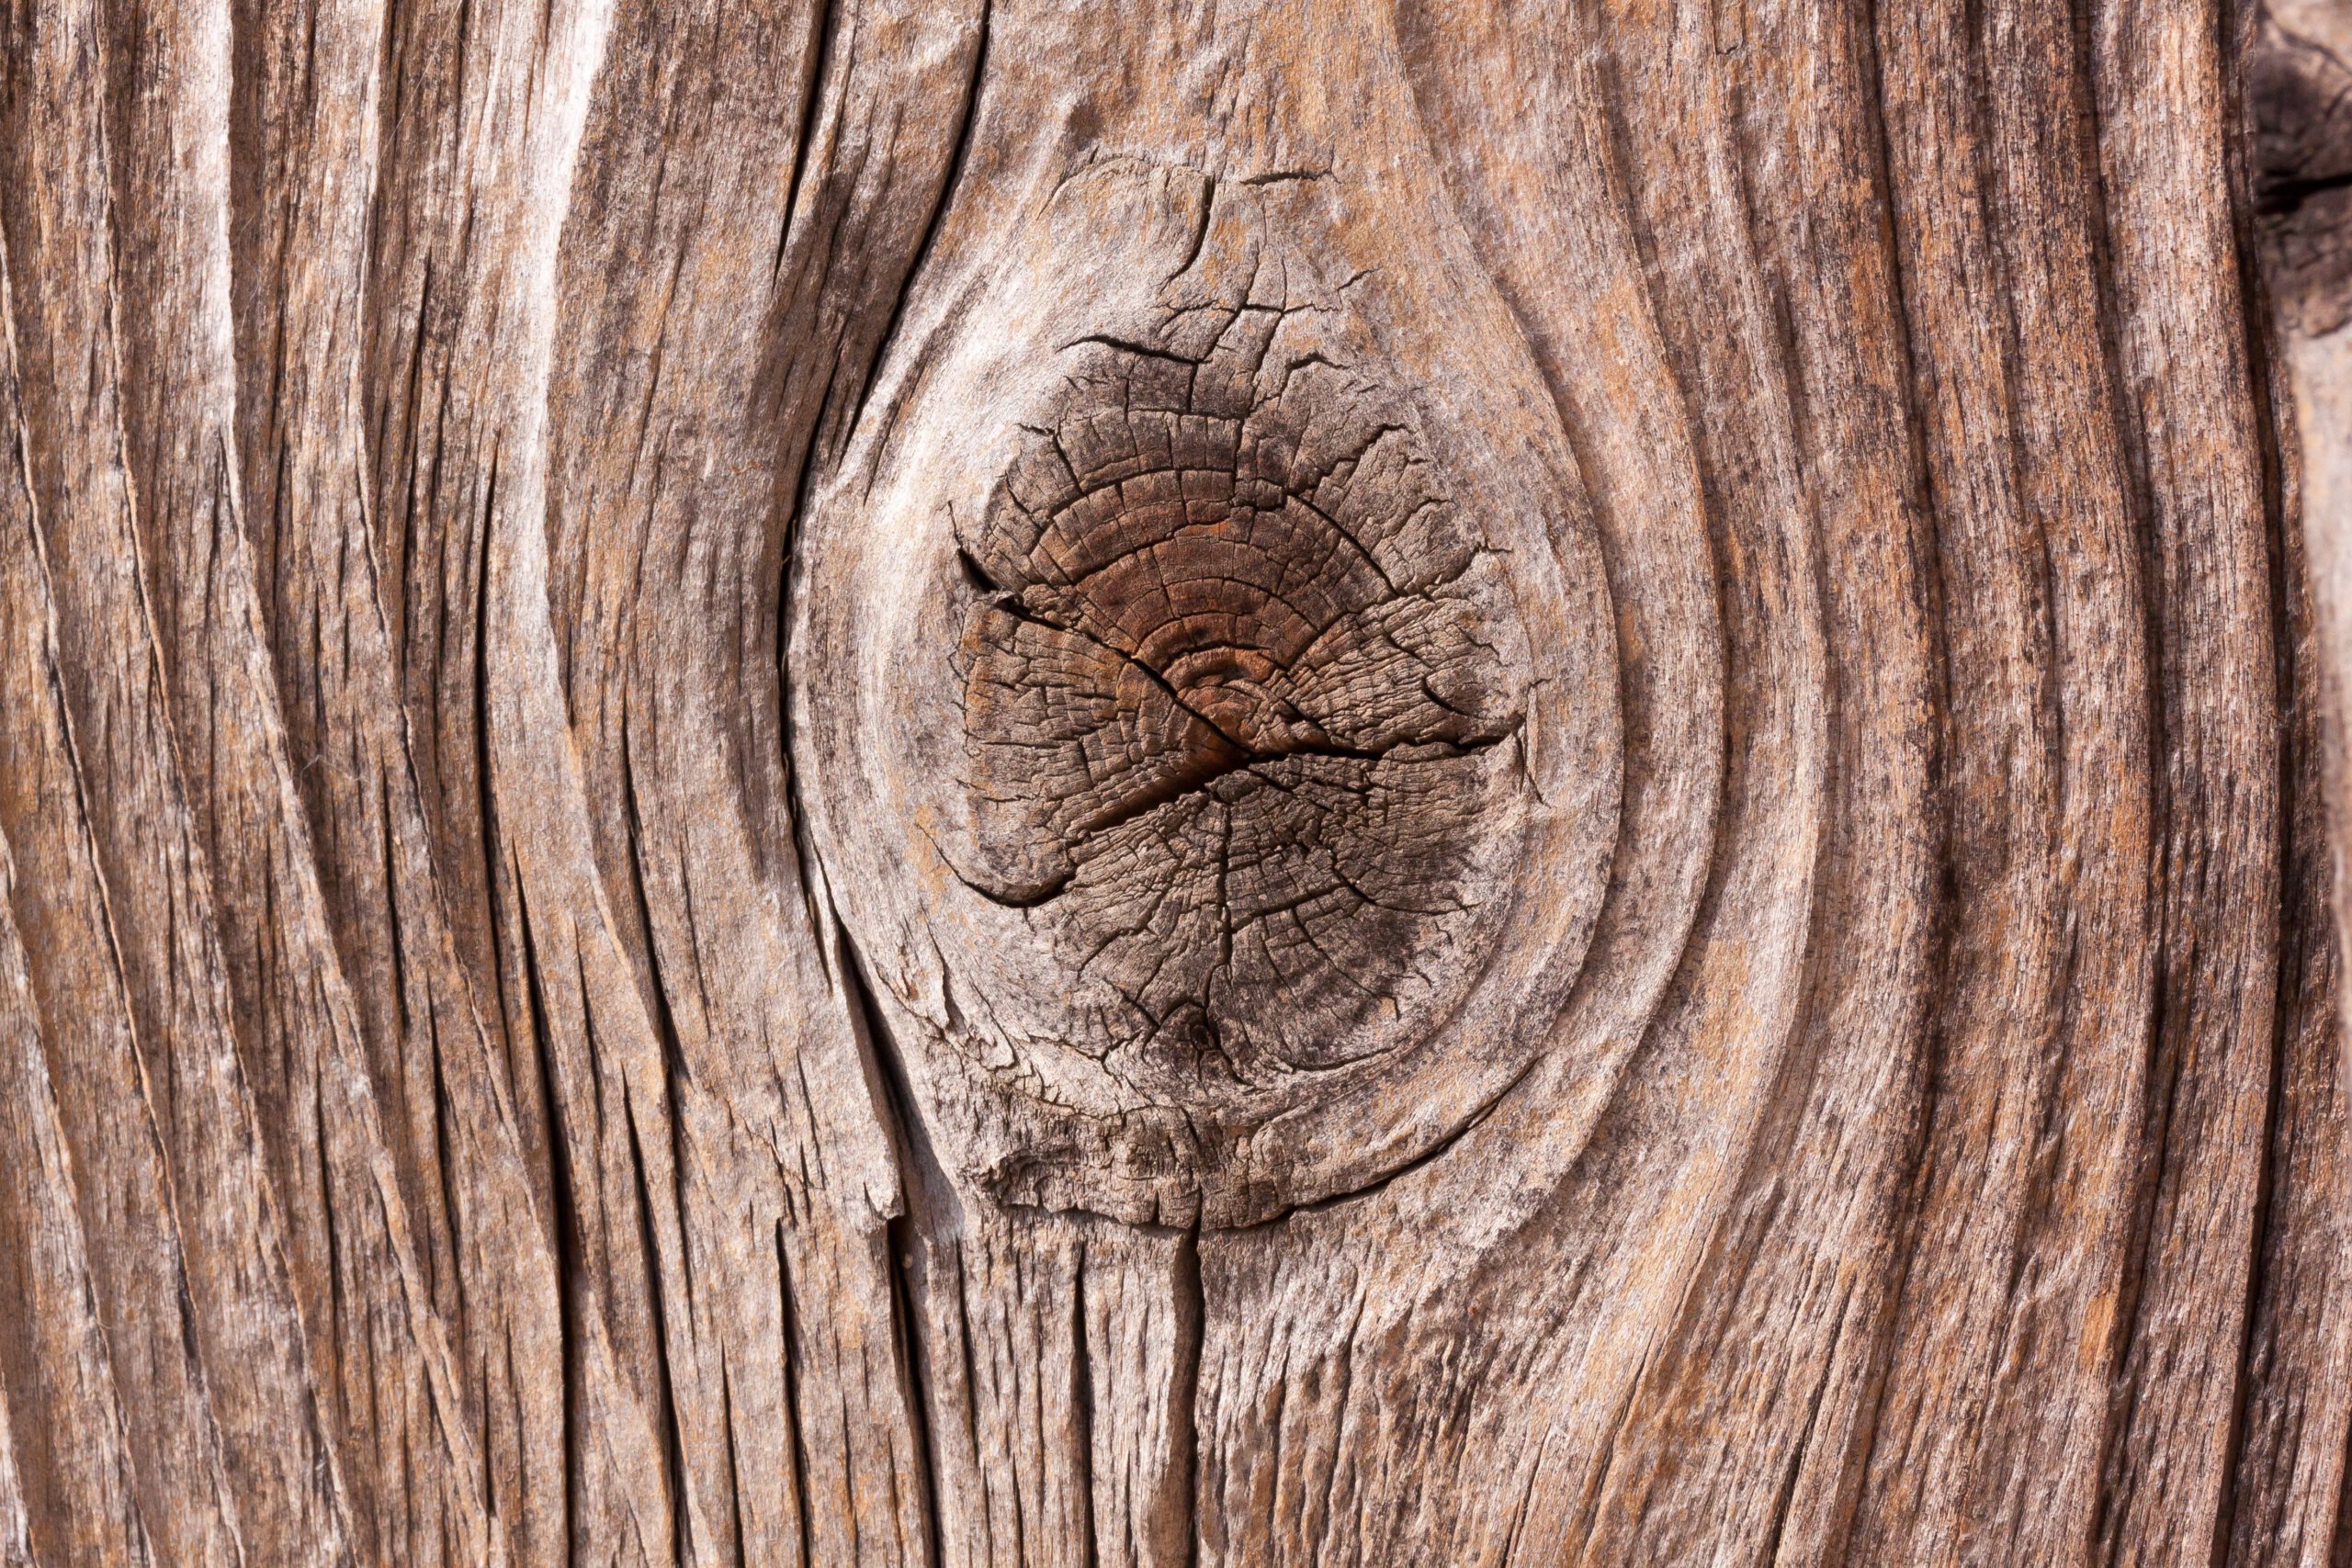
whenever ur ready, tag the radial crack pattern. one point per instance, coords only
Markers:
(1235, 719)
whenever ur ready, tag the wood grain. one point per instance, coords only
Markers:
(1225, 781)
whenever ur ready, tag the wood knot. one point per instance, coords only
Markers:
(1238, 716)
(2298, 112)
(1210, 704)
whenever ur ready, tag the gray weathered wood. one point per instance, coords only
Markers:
(993, 782)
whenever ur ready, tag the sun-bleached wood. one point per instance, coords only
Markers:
(1218, 781)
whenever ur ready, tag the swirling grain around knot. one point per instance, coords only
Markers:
(1215, 685)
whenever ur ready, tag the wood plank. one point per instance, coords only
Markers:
(880, 782)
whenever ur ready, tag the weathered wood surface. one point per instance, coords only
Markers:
(992, 781)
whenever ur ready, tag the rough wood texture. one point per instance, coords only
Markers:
(966, 783)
